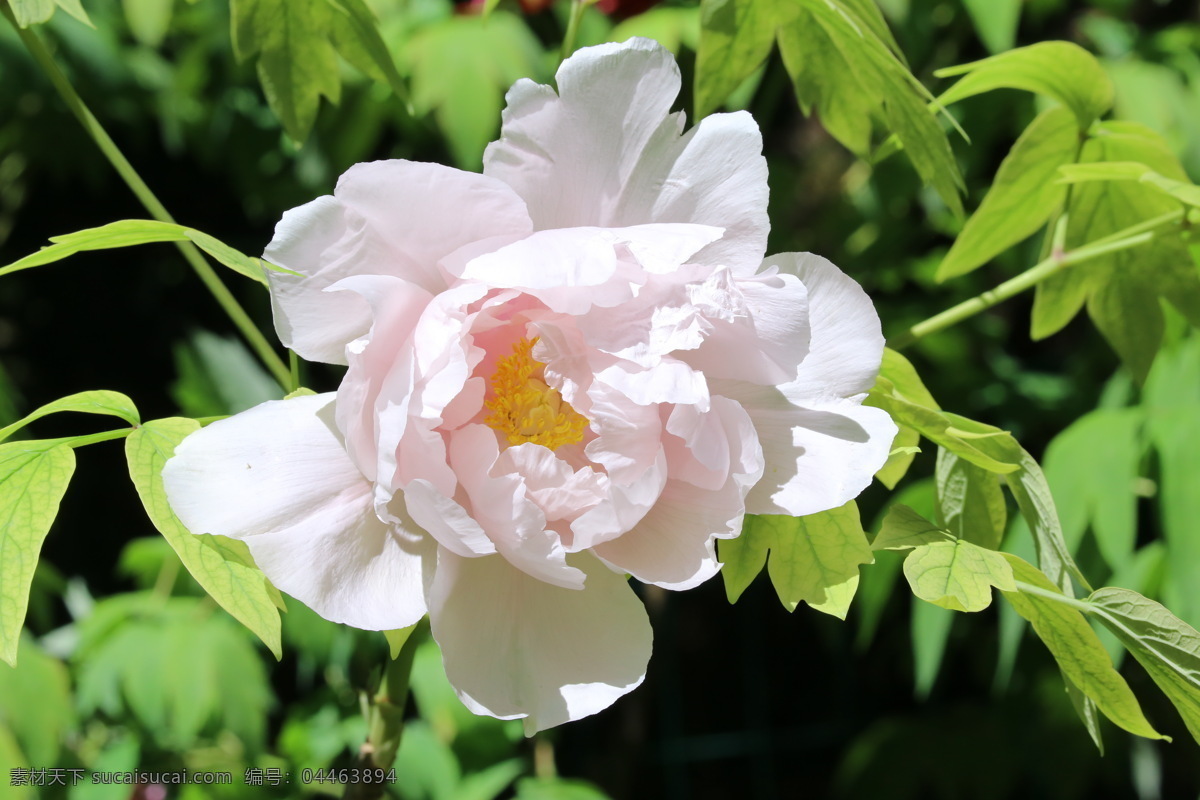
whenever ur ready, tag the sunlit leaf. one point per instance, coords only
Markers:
(1061, 70)
(100, 401)
(148, 20)
(1166, 646)
(1023, 195)
(1185, 192)
(1092, 467)
(970, 501)
(813, 559)
(995, 21)
(736, 37)
(35, 12)
(1074, 645)
(957, 575)
(129, 232)
(222, 566)
(33, 477)
(1122, 289)
(904, 529)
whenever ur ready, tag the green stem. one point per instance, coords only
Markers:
(1121, 240)
(385, 719)
(568, 45)
(191, 254)
(1079, 605)
(293, 372)
(91, 438)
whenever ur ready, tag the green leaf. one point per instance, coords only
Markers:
(355, 33)
(871, 67)
(557, 789)
(930, 629)
(995, 21)
(461, 68)
(297, 62)
(35, 703)
(1092, 466)
(814, 559)
(1023, 196)
(149, 20)
(398, 637)
(218, 375)
(970, 502)
(100, 401)
(33, 477)
(957, 575)
(1122, 290)
(735, 39)
(907, 383)
(129, 232)
(1175, 433)
(1166, 646)
(1032, 493)
(222, 566)
(1061, 70)
(1074, 645)
(904, 529)
(1185, 192)
(35, 12)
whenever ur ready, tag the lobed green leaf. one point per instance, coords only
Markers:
(33, 478)
(957, 575)
(223, 566)
(813, 559)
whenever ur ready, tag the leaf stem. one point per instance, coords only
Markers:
(191, 254)
(1121, 240)
(1058, 597)
(568, 45)
(385, 719)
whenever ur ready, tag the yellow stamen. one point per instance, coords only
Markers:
(525, 409)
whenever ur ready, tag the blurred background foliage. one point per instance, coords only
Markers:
(127, 664)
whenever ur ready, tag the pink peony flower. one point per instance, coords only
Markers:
(571, 368)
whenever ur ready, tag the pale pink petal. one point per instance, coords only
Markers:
(278, 477)
(624, 507)
(385, 218)
(818, 453)
(557, 488)
(318, 241)
(672, 546)
(518, 648)
(846, 344)
(502, 508)
(446, 520)
(607, 151)
(766, 344)
(423, 212)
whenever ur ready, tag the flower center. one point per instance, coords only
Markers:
(525, 409)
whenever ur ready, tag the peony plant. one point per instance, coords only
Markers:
(572, 368)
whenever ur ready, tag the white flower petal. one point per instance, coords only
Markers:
(672, 546)
(818, 453)
(277, 476)
(846, 344)
(516, 647)
(607, 151)
(385, 218)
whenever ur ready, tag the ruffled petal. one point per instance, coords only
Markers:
(386, 218)
(607, 151)
(278, 477)
(818, 454)
(846, 344)
(516, 647)
(673, 545)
